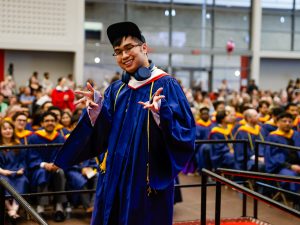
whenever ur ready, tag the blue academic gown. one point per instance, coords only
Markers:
(122, 127)
(35, 157)
(269, 127)
(14, 160)
(202, 150)
(75, 179)
(278, 160)
(221, 153)
(245, 133)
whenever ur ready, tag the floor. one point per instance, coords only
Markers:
(189, 209)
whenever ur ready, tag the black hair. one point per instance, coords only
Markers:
(220, 116)
(285, 115)
(54, 108)
(289, 105)
(118, 41)
(276, 111)
(263, 102)
(14, 117)
(47, 114)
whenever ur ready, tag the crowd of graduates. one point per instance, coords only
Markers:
(250, 115)
(41, 113)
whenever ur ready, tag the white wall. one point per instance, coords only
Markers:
(25, 62)
(275, 73)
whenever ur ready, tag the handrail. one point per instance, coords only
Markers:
(3, 147)
(278, 189)
(5, 185)
(253, 194)
(258, 175)
(290, 147)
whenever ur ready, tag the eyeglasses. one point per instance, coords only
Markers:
(127, 49)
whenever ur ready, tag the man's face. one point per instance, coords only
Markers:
(132, 54)
(20, 122)
(293, 110)
(49, 123)
(204, 115)
(285, 124)
(264, 109)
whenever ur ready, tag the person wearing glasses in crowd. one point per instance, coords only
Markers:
(145, 123)
(20, 121)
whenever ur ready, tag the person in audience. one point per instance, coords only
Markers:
(12, 166)
(34, 83)
(44, 174)
(271, 125)
(47, 83)
(62, 96)
(66, 121)
(83, 176)
(280, 160)
(3, 106)
(203, 128)
(251, 131)
(20, 121)
(26, 99)
(59, 127)
(292, 108)
(8, 87)
(221, 154)
(263, 111)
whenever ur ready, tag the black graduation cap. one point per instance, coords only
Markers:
(123, 29)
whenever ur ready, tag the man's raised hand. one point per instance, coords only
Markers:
(153, 104)
(88, 96)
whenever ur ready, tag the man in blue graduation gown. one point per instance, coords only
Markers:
(44, 174)
(280, 160)
(149, 136)
(222, 153)
(251, 131)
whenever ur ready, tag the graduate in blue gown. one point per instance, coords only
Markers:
(270, 125)
(251, 131)
(20, 120)
(280, 160)
(12, 166)
(222, 153)
(83, 176)
(203, 128)
(149, 136)
(44, 175)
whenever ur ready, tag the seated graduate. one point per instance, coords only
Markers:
(58, 127)
(271, 125)
(292, 108)
(83, 176)
(66, 121)
(222, 153)
(20, 121)
(251, 131)
(280, 160)
(44, 174)
(12, 166)
(263, 111)
(203, 128)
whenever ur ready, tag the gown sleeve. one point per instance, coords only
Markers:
(87, 141)
(177, 126)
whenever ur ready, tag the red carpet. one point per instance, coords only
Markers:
(238, 221)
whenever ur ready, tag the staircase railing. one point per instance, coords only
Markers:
(4, 185)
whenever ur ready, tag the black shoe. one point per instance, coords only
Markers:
(59, 216)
